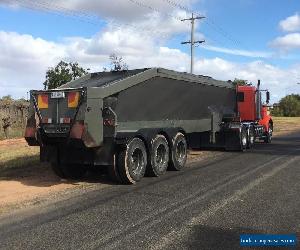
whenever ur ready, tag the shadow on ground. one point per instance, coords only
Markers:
(30, 172)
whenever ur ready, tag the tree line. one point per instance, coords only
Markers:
(288, 106)
(65, 72)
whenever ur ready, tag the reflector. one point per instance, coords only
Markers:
(73, 98)
(65, 120)
(43, 101)
(47, 120)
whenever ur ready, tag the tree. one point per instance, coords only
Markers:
(6, 101)
(288, 106)
(63, 72)
(241, 82)
(117, 63)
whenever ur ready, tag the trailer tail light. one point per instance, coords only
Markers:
(46, 120)
(42, 101)
(65, 120)
(73, 99)
(30, 132)
(77, 130)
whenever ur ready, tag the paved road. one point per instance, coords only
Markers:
(206, 206)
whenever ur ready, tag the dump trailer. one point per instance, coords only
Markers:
(134, 122)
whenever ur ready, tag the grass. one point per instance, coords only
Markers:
(13, 133)
(286, 124)
(17, 156)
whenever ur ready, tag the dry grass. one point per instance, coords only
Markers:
(15, 132)
(286, 125)
(15, 154)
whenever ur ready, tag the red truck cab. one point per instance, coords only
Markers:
(252, 110)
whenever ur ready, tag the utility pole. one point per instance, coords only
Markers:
(192, 41)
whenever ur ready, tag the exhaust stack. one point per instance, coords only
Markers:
(258, 101)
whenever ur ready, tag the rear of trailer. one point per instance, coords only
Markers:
(134, 122)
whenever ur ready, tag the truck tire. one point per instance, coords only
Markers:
(159, 156)
(178, 152)
(57, 169)
(268, 138)
(113, 172)
(243, 139)
(132, 162)
(74, 171)
(251, 137)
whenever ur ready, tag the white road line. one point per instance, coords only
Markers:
(161, 214)
(206, 214)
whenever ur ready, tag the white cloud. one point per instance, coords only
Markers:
(125, 10)
(287, 42)
(280, 82)
(291, 24)
(155, 17)
(25, 59)
(237, 52)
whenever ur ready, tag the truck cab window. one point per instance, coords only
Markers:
(240, 97)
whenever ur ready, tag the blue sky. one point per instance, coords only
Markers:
(249, 39)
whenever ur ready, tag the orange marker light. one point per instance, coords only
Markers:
(43, 101)
(73, 99)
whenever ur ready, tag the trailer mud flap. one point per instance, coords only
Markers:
(49, 154)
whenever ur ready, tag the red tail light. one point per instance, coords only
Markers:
(65, 120)
(46, 120)
(43, 101)
(30, 132)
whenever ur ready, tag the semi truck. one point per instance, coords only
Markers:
(142, 122)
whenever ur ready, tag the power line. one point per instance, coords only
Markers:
(82, 16)
(51, 8)
(207, 21)
(140, 4)
(217, 28)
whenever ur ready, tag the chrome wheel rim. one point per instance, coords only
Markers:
(180, 151)
(137, 161)
(160, 155)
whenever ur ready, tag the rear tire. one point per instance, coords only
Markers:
(178, 152)
(159, 156)
(74, 171)
(57, 169)
(251, 137)
(113, 172)
(132, 162)
(268, 138)
(243, 139)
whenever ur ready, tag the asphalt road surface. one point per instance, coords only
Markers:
(206, 206)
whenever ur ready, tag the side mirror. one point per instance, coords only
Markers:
(268, 97)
